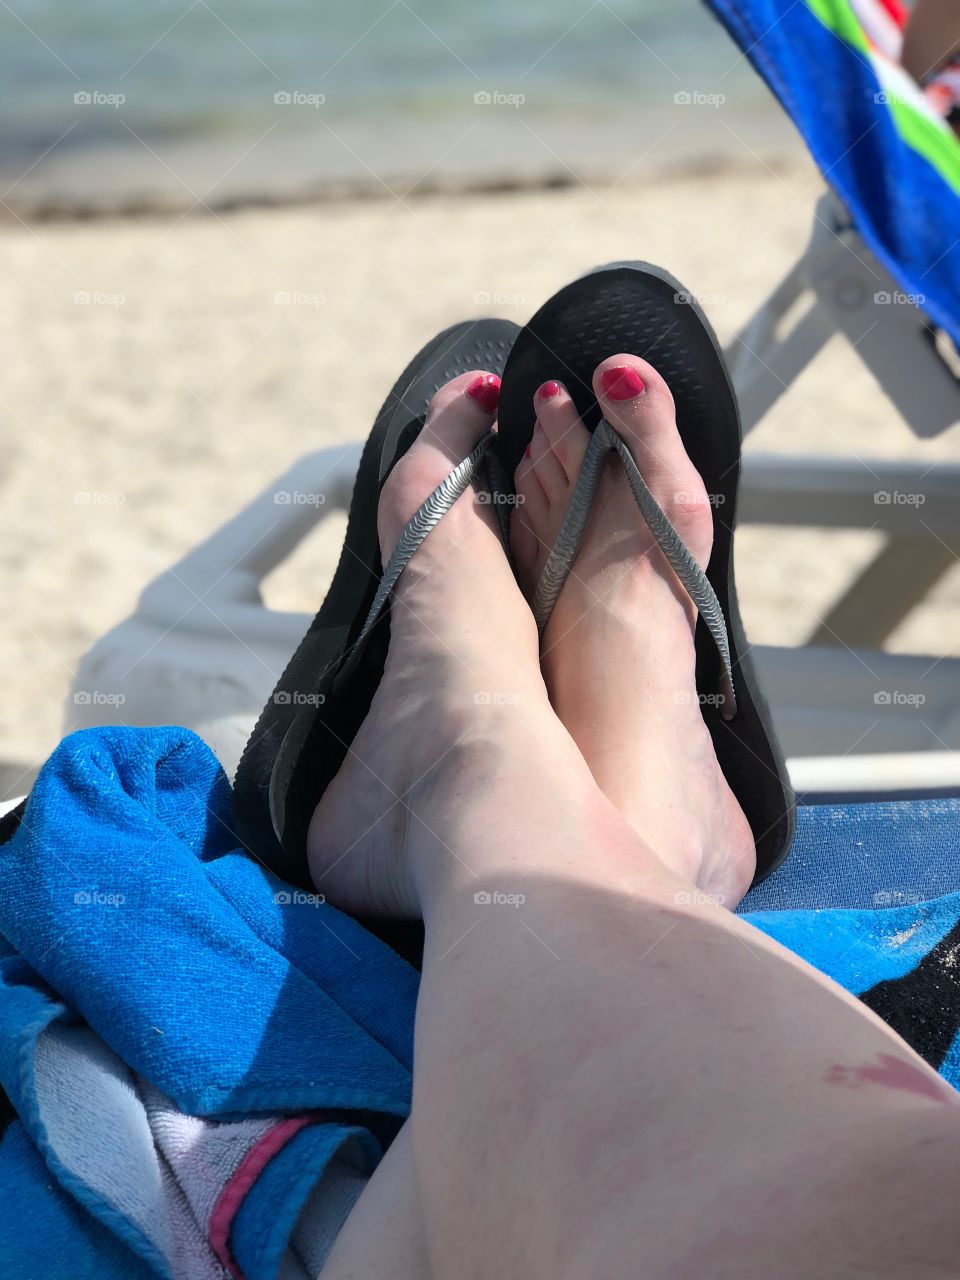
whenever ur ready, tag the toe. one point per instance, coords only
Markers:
(634, 398)
(458, 417)
(461, 413)
(561, 428)
(533, 501)
(546, 466)
(638, 404)
(529, 522)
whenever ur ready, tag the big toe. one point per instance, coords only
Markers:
(636, 401)
(460, 414)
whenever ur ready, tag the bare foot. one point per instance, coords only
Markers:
(462, 695)
(618, 653)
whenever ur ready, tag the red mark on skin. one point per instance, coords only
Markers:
(890, 1072)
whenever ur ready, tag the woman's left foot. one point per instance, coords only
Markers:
(461, 702)
(618, 652)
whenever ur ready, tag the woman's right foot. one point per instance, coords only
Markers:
(462, 699)
(618, 652)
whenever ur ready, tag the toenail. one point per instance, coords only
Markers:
(548, 390)
(526, 452)
(621, 382)
(486, 391)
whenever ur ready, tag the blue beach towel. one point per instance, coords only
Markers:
(178, 980)
(190, 1047)
(895, 167)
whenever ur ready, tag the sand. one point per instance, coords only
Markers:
(139, 419)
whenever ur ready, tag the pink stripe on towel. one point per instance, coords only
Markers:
(232, 1195)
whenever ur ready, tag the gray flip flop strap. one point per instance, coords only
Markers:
(691, 576)
(429, 515)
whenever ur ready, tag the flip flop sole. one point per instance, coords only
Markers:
(639, 308)
(305, 730)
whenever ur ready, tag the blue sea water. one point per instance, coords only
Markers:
(290, 90)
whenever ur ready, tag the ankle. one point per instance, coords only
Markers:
(538, 787)
(544, 889)
(511, 767)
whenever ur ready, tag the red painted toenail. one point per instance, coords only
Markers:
(621, 382)
(486, 391)
(548, 390)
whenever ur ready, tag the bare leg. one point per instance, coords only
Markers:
(612, 1079)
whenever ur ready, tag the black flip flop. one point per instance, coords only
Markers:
(637, 308)
(323, 696)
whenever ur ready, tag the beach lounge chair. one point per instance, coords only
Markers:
(882, 268)
(202, 650)
(207, 653)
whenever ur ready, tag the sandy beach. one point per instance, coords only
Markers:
(160, 370)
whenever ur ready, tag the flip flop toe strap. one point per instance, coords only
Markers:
(427, 517)
(694, 581)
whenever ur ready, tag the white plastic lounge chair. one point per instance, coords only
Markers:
(202, 650)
